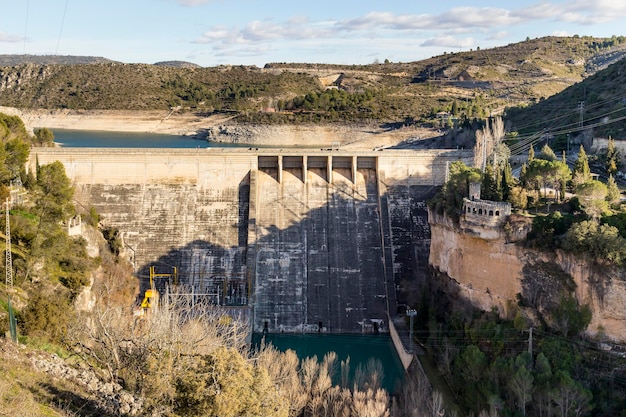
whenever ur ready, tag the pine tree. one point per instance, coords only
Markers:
(613, 193)
(499, 180)
(522, 175)
(612, 160)
(582, 173)
(531, 154)
(489, 190)
(547, 153)
(508, 182)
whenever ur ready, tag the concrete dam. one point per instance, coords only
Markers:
(298, 240)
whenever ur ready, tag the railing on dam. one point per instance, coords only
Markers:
(140, 166)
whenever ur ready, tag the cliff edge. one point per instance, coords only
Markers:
(495, 270)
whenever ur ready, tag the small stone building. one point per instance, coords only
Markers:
(483, 213)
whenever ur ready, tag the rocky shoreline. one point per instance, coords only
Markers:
(166, 122)
(219, 128)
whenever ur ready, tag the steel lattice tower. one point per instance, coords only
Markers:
(9, 260)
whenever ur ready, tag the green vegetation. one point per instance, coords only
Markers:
(590, 223)
(450, 199)
(182, 364)
(493, 366)
(464, 85)
(178, 359)
(486, 359)
(44, 255)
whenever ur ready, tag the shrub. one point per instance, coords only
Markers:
(548, 229)
(93, 217)
(112, 236)
(600, 241)
(47, 315)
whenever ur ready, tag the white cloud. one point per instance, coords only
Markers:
(579, 11)
(385, 20)
(216, 33)
(10, 38)
(258, 31)
(459, 27)
(449, 42)
(499, 35)
(192, 2)
(474, 17)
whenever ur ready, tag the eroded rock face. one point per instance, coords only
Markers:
(492, 272)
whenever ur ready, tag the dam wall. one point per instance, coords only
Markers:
(308, 240)
(319, 247)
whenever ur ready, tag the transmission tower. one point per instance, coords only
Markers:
(581, 110)
(9, 259)
(9, 268)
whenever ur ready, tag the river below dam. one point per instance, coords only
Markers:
(359, 348)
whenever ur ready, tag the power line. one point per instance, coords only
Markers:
(579, 109)
(524, 142)
(61, 29)
(26, 26)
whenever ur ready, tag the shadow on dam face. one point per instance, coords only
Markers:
(307, 256)
(324, 241)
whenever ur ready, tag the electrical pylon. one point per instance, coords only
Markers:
(9, 268)
(9, 259)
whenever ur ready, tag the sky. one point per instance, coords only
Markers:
(255, 32)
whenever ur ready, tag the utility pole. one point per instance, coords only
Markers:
(411, 314)
(9, 260)
(9, 272)
(581, 108)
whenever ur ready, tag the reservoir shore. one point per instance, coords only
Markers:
(218, 127)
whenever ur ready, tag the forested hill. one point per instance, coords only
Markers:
(474, 83)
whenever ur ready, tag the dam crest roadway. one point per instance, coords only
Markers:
(298, 240)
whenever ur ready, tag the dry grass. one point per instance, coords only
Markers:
(26, 392)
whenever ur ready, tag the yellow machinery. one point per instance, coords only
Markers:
(151, 296)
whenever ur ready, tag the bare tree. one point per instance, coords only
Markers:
(521, 384)
(416, 396)
(487, 141)
(149, 354)
(370, 403)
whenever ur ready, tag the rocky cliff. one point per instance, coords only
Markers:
(495, 271)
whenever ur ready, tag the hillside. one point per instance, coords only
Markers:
(13, 60)
(472, 83)
(597, 103)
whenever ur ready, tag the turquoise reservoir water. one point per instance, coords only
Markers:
(99, 139)
(360, 348)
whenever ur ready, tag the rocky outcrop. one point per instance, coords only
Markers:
(108, 397)
(492, 272)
